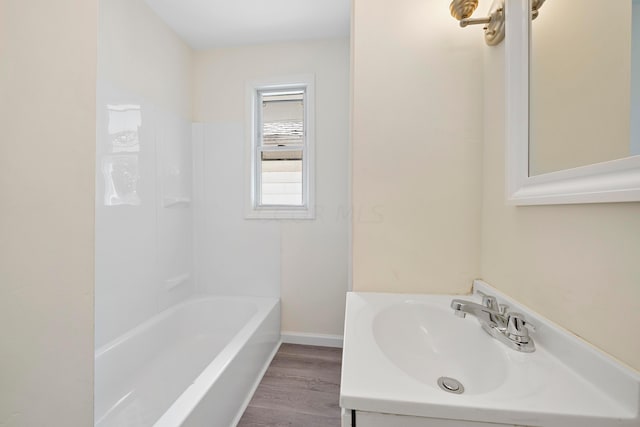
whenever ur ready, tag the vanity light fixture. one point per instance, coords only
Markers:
(493, 23)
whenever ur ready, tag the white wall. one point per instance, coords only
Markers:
(305, 261)
(417, 147)
(47, 149)
(140, 54)
(233, 256)
(575, 264)
(142, 247)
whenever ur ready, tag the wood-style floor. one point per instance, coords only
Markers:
(300, 388)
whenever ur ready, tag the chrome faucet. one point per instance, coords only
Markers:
(509, 328)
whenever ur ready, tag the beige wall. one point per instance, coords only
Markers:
(417, 148)
(310, 256)
(47, 155)
(141, 55)
(580, 84)
(578, 265)
(419, 180)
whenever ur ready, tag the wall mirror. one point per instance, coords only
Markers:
(573, 102)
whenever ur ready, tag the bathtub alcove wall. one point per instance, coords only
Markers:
(144, 218)
(187, 294)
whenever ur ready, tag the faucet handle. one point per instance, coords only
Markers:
(489, 301)
(518, 327)
(502, 309)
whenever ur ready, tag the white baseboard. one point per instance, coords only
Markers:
(322, 340)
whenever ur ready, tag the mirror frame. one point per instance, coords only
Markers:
(611, 181)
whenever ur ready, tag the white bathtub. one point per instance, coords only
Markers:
(195, 364)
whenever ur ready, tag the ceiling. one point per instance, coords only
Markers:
(217, 23)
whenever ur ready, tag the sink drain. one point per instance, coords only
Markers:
(451, 385)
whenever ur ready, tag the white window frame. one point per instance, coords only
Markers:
(253, 210)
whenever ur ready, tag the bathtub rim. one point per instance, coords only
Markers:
(146, 324)
(181, 408)
(178, 411)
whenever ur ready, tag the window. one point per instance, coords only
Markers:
(281, 146)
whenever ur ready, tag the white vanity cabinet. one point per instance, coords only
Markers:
(374, 419)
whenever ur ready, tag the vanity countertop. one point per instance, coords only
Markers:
(397, 346)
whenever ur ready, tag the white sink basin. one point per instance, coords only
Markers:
(426, 341)
(397, 347)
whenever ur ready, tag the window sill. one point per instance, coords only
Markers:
(280, 213)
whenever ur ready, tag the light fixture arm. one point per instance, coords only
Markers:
(474, 21)
(494, 23)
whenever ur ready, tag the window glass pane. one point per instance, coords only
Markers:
(282, 118)
(281, 177)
